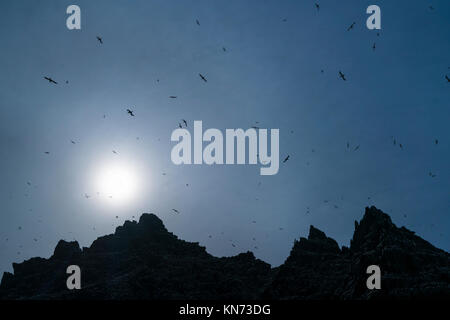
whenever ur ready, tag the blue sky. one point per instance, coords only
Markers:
(270, 73)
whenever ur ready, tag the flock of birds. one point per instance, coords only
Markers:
(184, 123)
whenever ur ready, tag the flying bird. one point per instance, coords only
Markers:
(357, 147)
(100, 39)
(130, 112)
(351, 26)
(436, 141)
(224, 49)
(184, 121)
(342, 76)
(317, 6)
(114, 151)
(179, 125)
(202, 77)
(286, 159)
(73, 142)
(172, 97)
(448, 79)
(50, 80)
(400, 145)
(374, 46)
(176, 211)
(46, 152)
(198, 22)
(431, 175)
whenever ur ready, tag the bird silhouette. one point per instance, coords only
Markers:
(436, 141)
(374, 46)
(448, 79)
(114, 151)
(100, 39)
(224, 49)
(198, 22)
(286, 159)
(130, 112)
(176, 211)
(356, 148)
(317, 6)
(73, 142)
(202, 77)
(351, 26)
(184, 121)
(50, 80)
(172, 97)
(342, 76)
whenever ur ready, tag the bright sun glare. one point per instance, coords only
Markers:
(117, 183)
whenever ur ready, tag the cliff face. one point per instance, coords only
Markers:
(317, 269)
(145, 261)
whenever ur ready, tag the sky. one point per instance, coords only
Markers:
(270, 75)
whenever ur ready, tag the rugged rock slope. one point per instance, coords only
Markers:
(144, 261)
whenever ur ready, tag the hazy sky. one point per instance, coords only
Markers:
(270, 73)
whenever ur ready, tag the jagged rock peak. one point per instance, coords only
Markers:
(372, 227)
(65, 249)
(316, 234)
(151, 222)
(317, 242)
(374, 216)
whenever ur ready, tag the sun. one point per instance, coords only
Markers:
(117, 183)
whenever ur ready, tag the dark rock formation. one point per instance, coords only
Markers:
(145, 261)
